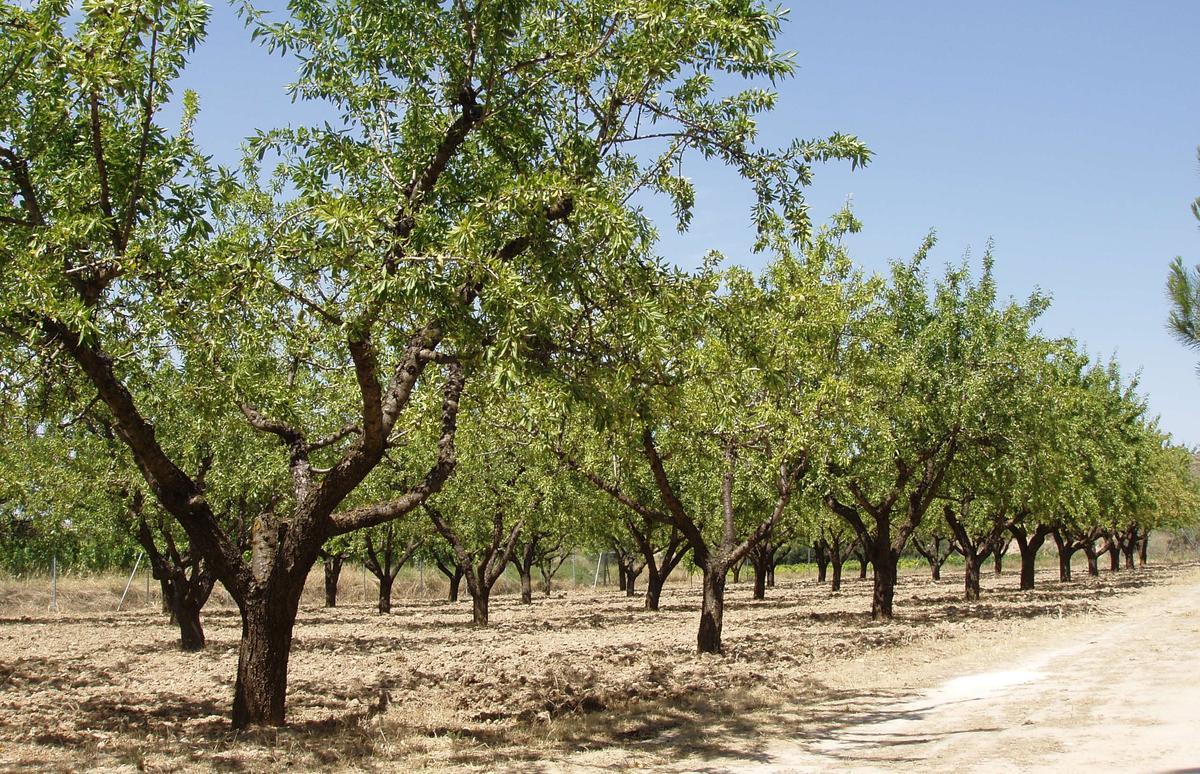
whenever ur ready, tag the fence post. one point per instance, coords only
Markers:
(54, 583)
(129, 582)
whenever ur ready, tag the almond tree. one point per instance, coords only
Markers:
(726, 412)
(470, 193)
(385, 550)
(936, 360)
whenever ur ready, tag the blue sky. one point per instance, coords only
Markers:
(1064, 131)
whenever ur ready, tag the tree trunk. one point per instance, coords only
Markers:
(479, 606)
(187, 616)
(654, 587)
(1143, 546)
(760, 582)
(1029, 547)
(862, 568)
(630, 580)
(771, 576)
(455, 581)
(1028, 566)
(168, 596)
(1064, 564)
(1089, 550)
(737, 572)
(821, 550)
(1114, 556)
(261, 688)
(885, 563)
(712, 609)
(526, 574)
(935, 569)
(622, 579)
(971, 562)
(385, 594)
(1128, 549)
(998, 561)
(333, 571)
(760, 561)
(837, 576)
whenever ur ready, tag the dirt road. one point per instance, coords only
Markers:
(1121, 692)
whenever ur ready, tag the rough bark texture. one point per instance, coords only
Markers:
(821, 554)
(884, 589)
(712, 609)
(333, 572)
(183, 575)
(1029, 544)
(1093, 564)
(971, 575)
(260, 690)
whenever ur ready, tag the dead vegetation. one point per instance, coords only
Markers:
(585, 675)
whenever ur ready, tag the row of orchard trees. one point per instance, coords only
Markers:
(444, 306)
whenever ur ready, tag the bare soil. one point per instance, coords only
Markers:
(591, 681)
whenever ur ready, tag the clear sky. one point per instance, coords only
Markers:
(1065, 131)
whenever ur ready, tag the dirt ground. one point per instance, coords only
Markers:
(1100, 672)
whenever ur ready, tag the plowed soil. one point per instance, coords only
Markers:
(591, 681)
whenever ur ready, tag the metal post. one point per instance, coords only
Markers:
(148, 574)
(129, 582)
(596, 577)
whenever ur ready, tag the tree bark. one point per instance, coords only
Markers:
(261, 687)
(885, 563)
(971, 562)
(1093, 565)
(479, 606)
(1064, 558)
(862, 566)
(821, 551)
(1143, 547)
(1029, 545)
(453, 572)
(760, 582)
(654, 587)
(333, 571)
(526, 574)
(187, 616)
(385, 593)
(761, 558)
(712, 609)
(837, 576)
(1127, 546)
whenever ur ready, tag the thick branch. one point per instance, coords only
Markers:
(435, 478)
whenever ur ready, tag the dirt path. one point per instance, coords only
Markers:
(1120, 691)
